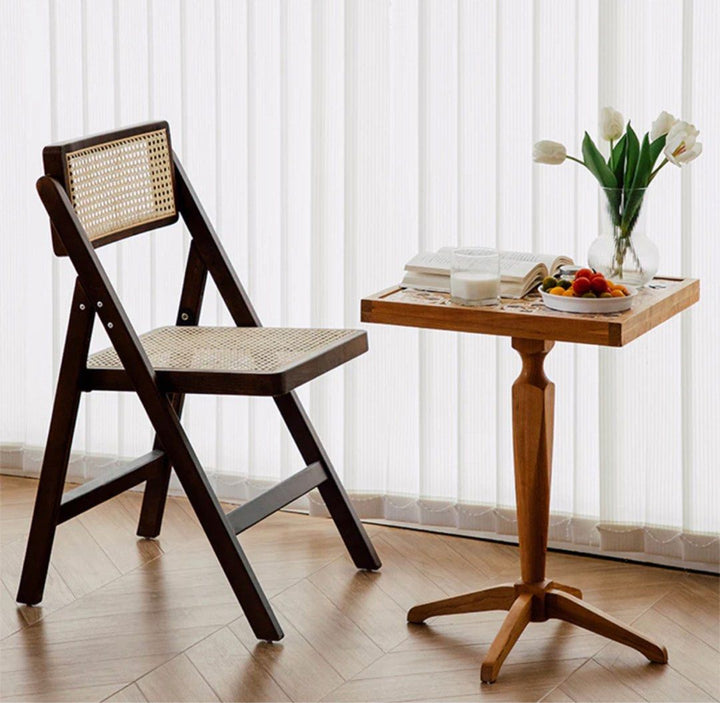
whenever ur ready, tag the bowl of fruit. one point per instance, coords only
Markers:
(587, 292)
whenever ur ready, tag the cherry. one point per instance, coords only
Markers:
(598, 284)
(581, 285)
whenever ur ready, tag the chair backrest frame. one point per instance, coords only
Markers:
(206, 256)
(140, 155)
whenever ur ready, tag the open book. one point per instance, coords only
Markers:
(520, 272)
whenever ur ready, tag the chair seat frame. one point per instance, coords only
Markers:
(94, 296)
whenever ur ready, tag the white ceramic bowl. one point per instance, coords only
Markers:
(588, 305)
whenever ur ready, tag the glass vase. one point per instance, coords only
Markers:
(623, 252)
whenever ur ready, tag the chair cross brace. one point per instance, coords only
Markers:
(110, 484)
(277, 497)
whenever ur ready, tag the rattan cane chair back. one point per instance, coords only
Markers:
(118, 187)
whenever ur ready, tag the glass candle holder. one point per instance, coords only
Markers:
(475, 277)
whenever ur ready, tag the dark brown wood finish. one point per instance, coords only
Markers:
(212, 251)
(162, 396)
(156, 489)
(160, 412)
(277, 497)
(57, 450)
(303, 433)
(338, 504)
(110, 484)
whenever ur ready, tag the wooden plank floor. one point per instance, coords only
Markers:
(137, 620)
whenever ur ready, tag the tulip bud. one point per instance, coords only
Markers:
(547, 152)
(680, 145)
(662, 125)
(611, 124)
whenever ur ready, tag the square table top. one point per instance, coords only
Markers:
(528, 318)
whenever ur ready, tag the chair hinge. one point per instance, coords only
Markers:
(186, 317)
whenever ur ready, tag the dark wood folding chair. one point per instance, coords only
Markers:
(102, 189)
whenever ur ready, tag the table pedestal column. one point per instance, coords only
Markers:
(534, 598)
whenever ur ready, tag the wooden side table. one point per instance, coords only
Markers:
(534, 330)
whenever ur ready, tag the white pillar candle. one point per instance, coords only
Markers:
(474, 287)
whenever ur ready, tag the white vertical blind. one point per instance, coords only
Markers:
(329, 142)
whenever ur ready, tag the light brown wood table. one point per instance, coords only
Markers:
(534, 329)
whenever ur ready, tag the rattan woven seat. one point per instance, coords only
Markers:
(99, 190)
(242, 360)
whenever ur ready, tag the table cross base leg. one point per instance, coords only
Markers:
(535, 602)
(534, 598)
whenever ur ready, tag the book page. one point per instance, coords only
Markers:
(438, 262)
(518, 264)
(426, 281)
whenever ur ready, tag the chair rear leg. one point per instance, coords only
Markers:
(57, 452)
(351, 530)
(179, 454)
(153, 504)
(332, 491)
(156, 489)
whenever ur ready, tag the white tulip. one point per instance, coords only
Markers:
(547, 152)
(662, 125)
(611, 124)
(680, 144)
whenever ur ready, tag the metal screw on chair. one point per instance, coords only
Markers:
(99, 303)
(82, 306)
(184, 317)
(109, 324)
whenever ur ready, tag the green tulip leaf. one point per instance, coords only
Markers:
(617, 160)
(596, 163)
(633, 151)
(642, 172)
(634, 196)
(656, 148)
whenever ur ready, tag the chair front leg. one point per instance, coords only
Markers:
(49, 494)
(57, 451)
(220, 534)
